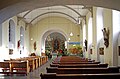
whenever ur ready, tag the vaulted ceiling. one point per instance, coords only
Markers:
(11, 8)
(72, 12)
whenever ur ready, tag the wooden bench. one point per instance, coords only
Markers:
(74, 59)
(4, 68)
(82, 70)
(20, 67)
(75, 62)
(80, 76)
(83, 65)
(78, 65)
(15, 67)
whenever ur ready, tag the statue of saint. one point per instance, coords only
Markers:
(106, 37)
(56, 44)
(85, 44)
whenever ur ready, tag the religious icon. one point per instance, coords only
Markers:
(106, 36)
(56, 44)
(119, 50)
(35, 45)
(85, 44)
(101, 51)
(18, 44)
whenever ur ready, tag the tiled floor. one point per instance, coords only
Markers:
(32, 75)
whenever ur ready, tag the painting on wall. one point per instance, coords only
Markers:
(101, 51)
(35, 47)
(90, 51)
(10, 51)
(119, 50)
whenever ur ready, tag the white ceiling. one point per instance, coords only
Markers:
(71, 12)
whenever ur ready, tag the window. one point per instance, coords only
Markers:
(21, 39)
(11, 34)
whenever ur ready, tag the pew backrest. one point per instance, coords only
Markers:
(80, 76)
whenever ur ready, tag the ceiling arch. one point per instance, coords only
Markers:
(53, 12)
(63, 6)
(73, 12)
(13, 7)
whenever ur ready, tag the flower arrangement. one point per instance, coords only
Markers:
(76, 50)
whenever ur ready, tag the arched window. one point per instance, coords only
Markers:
(11, 34)
(21, 39)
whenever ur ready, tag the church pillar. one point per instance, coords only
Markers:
(107, 23)
(94, 46)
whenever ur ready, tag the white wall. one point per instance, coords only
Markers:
(99, 26)
(0, 35)
(5, 39)
(116, 32)
(107, 23)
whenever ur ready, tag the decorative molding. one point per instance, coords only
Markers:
(89, 8)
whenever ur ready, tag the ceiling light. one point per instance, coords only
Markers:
(21, 35)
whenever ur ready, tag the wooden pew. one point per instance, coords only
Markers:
(80, 76)
(75, 62)
(5, 68)
(20, 67)
(74, 59)
(55, 64)
(105, 65)
(78, 65)
(82, 70)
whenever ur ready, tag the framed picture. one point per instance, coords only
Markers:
(90, 51)
(119, 50)
(10, 51)
(101, 51)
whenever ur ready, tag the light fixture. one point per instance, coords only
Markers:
(71, 34)
(31, 39)
(21, 35)
(68, 38)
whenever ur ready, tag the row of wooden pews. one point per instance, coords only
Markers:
(23, 65)
(72, 67)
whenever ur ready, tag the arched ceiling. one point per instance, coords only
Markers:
(11, 8)
(71, 12)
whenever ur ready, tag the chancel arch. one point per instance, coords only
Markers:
(49, 38)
